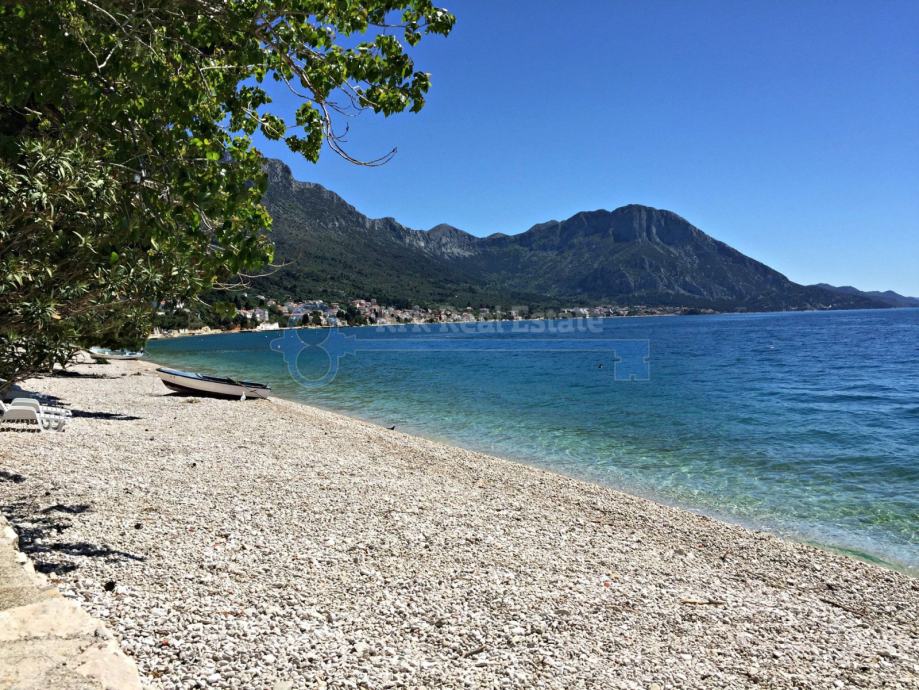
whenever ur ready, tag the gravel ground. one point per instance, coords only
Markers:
(264, 544)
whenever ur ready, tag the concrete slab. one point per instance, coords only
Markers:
(47, 641)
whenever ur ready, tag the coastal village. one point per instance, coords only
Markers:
(272, 314)
(364, 311)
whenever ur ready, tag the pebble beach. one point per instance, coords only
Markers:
(266, 544)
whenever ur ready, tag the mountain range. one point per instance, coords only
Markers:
(632, 255)
(888, 297)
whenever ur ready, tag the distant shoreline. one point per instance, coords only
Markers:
(571, 318)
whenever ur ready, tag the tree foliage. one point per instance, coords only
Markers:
(127, 169)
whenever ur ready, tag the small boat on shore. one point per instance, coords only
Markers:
(106, 353)
(202, 384)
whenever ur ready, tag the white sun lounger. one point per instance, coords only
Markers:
(44, 409)
(52, 417)
(30, 410)
(23, 414)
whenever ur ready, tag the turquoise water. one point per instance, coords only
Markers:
(805, 424)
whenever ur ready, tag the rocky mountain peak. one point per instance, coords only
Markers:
(634, 254)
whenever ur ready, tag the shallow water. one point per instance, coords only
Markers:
(806, 424)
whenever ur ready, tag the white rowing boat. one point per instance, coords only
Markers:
(106, 353)
(192, 382)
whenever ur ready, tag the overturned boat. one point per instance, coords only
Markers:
(106, 353)
(190, 382)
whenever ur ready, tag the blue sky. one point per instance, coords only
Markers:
(788, 129)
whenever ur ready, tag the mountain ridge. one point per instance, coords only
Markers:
(889, 297)
(631, 255)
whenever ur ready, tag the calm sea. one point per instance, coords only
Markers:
(805, 424)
